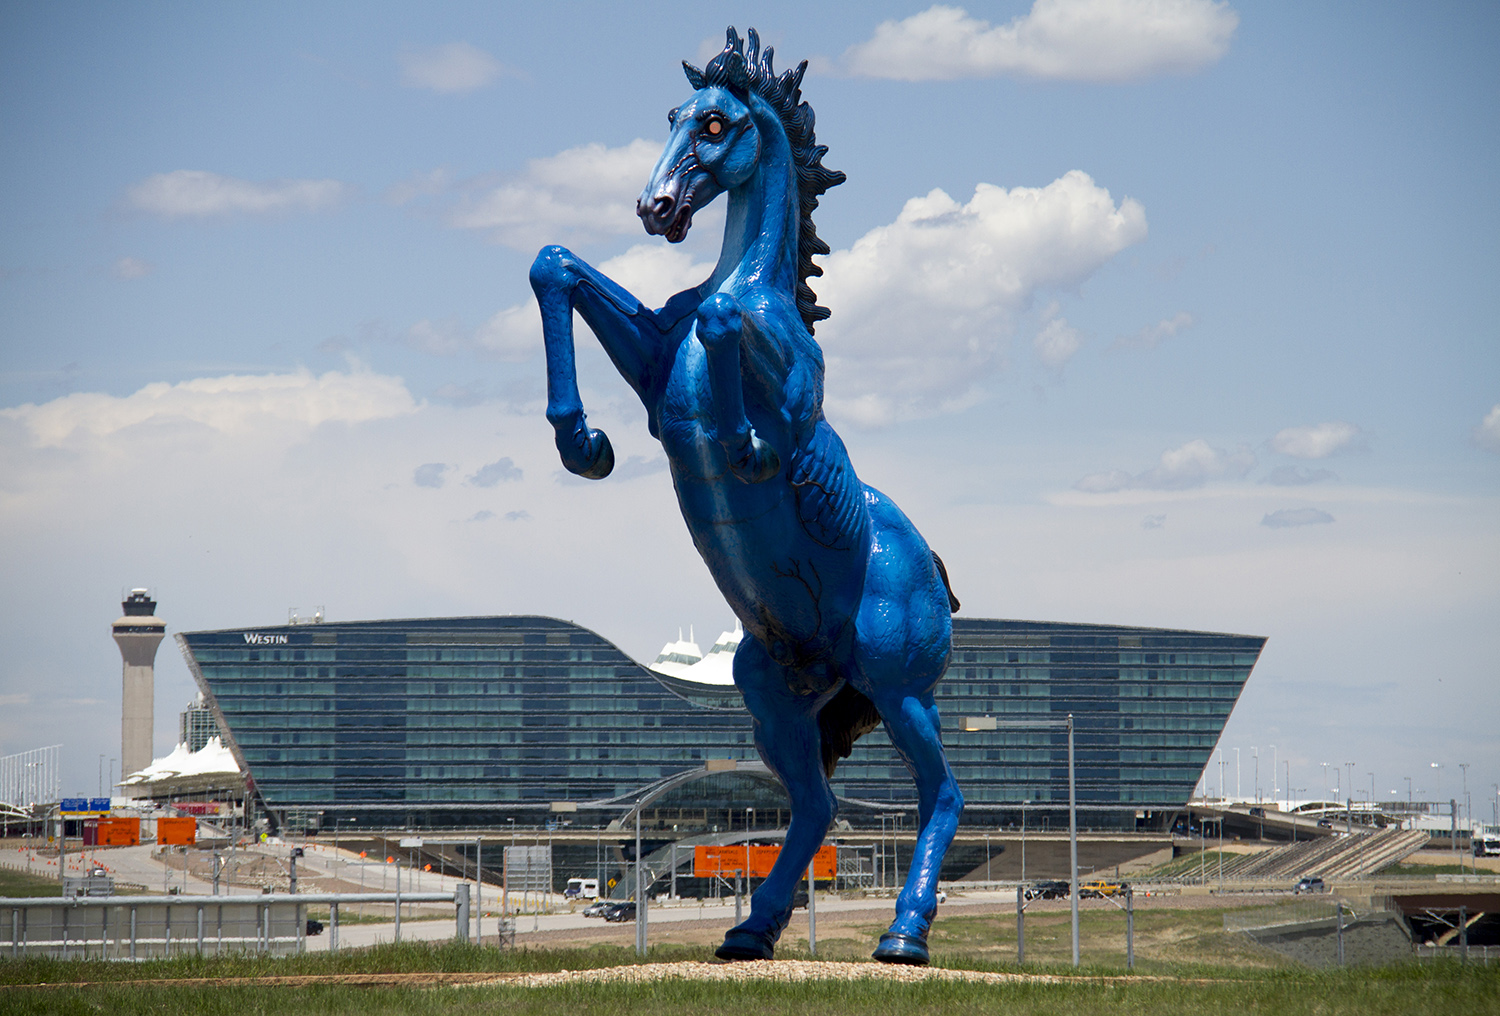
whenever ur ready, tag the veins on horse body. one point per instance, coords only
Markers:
(793, 572)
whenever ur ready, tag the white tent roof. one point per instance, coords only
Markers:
(686, 661)
(210, 760)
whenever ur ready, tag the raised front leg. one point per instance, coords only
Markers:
(637, 340)
(788, 739)
(721, 328)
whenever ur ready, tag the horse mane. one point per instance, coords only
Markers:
(751, 71)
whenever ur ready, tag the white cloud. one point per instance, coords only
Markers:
(581, 194)
(429, 474)
(922, 308)
(1075, 40)
(1315, 442)
(130, 268)
(1057, 341)
(500, 471)
(1154, 335)
(1487, 434)
(1191, 465)
(234, 404)
(1289, 517)
(1153, 521)
(450, 69)
(194, 193)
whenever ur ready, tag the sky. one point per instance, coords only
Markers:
(1173, 313)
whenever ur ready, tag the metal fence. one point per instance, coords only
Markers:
(1298, 912)
(31, 777)
(149, 927)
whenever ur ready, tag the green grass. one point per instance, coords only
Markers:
(1166, 941)
(1419, 870)
(16, 883)
(1399, 991)
(389, 958)
(1190, 866)
(1203, 969)
(349, 914)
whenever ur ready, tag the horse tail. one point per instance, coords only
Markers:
(953, 603)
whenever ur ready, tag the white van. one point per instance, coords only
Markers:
(582, 889)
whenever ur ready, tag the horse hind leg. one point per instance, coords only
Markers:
(915, 731)
(788, 739)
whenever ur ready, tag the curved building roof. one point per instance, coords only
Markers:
(446, 717)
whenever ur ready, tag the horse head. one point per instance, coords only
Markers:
(714, 145)
(717, 143)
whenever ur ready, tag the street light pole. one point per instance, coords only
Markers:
(1072, 807)
(1073, 839)
(1023, 838)
(640, 894)
(1349, 801)
(1468, 810)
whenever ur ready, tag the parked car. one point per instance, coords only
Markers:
(1101, 888)
(314, 927)
(598, 909)
(619, 913)
(1310, 884)
(1051, 889)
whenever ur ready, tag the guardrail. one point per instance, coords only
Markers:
(142, 927)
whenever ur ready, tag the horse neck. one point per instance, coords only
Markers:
(761, 227)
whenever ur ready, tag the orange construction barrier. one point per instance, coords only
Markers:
(180, 831)
(755, 861)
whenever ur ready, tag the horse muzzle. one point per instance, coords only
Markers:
(666, 214)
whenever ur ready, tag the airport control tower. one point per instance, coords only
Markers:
(138, 634)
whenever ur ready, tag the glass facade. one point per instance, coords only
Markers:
(196, 726)
(460, 721)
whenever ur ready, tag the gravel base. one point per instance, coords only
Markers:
(786, 971)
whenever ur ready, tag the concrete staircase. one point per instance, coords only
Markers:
(1334, 857)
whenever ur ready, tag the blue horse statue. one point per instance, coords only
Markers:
(847, 613)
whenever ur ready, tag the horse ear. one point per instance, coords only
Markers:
(694, 76)
(737, 70)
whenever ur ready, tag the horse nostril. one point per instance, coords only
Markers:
(661, 208)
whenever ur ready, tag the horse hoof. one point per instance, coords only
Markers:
(589, 455)
(757, 463)
(907, 949)
(739, 946)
